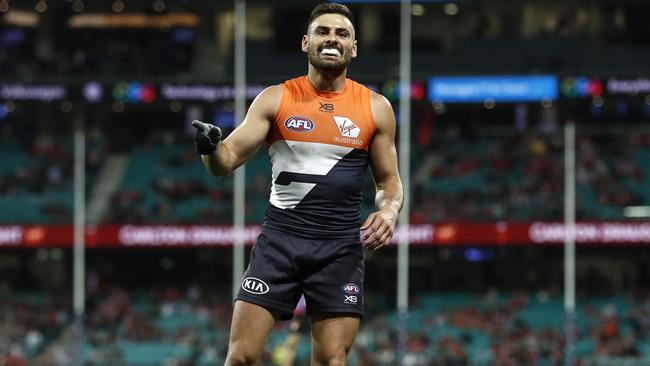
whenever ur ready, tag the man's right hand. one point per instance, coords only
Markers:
(206, 138)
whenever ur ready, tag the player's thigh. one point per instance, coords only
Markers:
(332, 337)
(250, 328)
(335, 284)
(272, 279)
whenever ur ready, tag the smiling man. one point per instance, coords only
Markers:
(322, 131)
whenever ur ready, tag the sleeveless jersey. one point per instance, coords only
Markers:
(318, 145)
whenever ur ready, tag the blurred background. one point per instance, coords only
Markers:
(493, 85)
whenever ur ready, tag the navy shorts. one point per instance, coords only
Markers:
(283, 267)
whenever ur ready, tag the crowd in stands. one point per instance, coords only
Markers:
(173, 326)
(36, 177)
(510, 333)
(27, 323)
(512, 176)
(459, 175)
(176, 189)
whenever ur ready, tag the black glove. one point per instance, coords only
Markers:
(206, 138)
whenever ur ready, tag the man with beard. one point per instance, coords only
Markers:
(322, 130)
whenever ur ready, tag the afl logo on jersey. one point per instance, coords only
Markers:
(299, 124)
(350, 289)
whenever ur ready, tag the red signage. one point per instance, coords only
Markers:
(443, 234)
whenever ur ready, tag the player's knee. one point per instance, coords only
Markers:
(240, 359)
(240, 355)
(337, 362)
(335, 358)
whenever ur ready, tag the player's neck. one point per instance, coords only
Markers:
(326, 81)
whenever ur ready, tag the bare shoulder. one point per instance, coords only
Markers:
(273, 91)
(376, 98)
(382, 111)
(268, 101)
(270, 95)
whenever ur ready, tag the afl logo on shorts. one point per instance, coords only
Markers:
(254, 286)
(350, 289)
(299, 124)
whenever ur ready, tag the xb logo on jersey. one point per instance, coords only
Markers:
(299, 124)
(346, 127)
(326, 107)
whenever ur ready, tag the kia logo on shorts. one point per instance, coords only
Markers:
(350, 289)
(254, 285)
(299, 124)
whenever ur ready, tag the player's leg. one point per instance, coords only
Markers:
(251, 326)
(334, 299)
(332, 338)
(269, 292)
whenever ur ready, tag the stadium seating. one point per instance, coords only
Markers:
(36, 183)
(491, 176)
(153, 327)
(29, 322)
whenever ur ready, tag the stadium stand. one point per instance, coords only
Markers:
(36, 179)
(494, 175)
(174, 326)
(472, 176)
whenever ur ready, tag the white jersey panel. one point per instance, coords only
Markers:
(303, 158)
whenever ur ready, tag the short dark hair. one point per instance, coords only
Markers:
(330, 8)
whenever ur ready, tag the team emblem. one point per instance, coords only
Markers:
(350, 289)
(299, 124)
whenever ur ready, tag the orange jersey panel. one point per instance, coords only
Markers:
(337, 118)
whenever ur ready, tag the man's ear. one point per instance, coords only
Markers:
(354, 49)
(305, 44)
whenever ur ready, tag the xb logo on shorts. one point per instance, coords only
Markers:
(350, 291)
(299, 124)
(254, 286)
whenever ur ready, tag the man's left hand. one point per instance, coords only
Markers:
(378, 229)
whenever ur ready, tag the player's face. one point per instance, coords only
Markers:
(330, 43)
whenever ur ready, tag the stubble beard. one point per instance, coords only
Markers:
(328, 66)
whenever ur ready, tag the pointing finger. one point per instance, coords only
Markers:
(203, 127)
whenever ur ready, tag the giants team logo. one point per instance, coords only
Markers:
(346, 127)
(350, 289)
(299, 124)
(254, 286)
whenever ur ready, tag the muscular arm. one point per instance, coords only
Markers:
(248, 137)
(380, 225)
